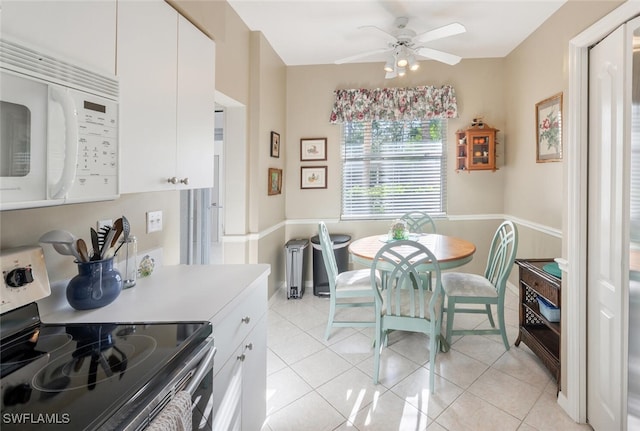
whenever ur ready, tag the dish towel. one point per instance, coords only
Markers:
(176, 416)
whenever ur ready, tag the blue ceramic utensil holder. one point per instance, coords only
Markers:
(97, 284)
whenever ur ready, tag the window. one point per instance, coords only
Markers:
(391, 167)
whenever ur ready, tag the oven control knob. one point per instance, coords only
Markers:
(17, 395)
(19, 277)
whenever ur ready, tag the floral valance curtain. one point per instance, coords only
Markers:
(394, 104)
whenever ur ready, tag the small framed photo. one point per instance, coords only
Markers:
(275, 144)
(549, 129)
(313, 177)
(275, 181)
(313, 149)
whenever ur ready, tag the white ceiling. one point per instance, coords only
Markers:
(305, 32)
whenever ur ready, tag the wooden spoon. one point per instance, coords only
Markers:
(82, 250)
(117, 226)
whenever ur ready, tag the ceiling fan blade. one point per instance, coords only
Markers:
(390, 37)
(441, 56)
(441, 32)
(361, 55)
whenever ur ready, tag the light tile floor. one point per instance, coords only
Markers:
(316, 385)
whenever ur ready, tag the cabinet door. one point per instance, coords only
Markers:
(481, 150)
(254, 382)
(82, 32)
(196, 106)
(227, 393)
(147, 56)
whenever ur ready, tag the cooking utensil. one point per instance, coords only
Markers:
(82, 250)
(63, 242)
(118, 227)
(107, 243)
(126, 230)
(95, 244)
(102, 237)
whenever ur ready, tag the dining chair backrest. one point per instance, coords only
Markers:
(419, 222)
(502, 254)
(406, 293)
(328, 256)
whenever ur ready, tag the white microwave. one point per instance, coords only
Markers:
(58, 131)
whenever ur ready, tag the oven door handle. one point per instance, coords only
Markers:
(202, 371)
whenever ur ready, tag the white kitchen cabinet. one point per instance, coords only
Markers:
(239, 381)
(167, 97)
(196, 106)
(82, 32)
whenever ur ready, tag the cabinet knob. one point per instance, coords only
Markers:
(249, 346)
(246, 319)
(241, 357)
(185, 181)
(172, 180)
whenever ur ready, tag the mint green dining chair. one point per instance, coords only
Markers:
(402, 306)
(346, 289)
(487, 289)
(419, 222)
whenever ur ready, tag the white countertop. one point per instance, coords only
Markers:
(170, 294)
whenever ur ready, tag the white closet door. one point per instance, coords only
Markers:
(608, 209)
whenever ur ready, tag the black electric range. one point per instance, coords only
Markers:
(79, 376)
(92, 376)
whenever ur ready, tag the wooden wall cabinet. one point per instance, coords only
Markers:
(476, 149)
(541, 335)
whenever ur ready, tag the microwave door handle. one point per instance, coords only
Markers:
(60, 189)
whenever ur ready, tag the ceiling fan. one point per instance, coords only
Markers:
(405, 45)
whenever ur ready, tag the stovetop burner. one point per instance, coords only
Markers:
(29, 347)
(92, 363)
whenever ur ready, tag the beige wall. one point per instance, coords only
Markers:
(24, 227)
(479, 91)
(535, 70)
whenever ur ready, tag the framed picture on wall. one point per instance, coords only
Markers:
(275, 144)
(313, 149)
(275, 181)
(313, 177)
(549, 129)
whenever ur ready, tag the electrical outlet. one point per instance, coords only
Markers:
(154, 221)
(105, 222)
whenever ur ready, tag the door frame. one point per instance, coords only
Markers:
(574, 399)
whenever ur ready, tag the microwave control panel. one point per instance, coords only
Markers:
(97, 163)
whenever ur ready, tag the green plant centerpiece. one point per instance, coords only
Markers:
(399, 230)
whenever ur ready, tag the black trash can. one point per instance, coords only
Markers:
(340, 251)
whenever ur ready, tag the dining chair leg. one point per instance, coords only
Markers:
(503, 329)
(490, 315)
(451, 305)
(332, 312)
(433, 350)
(376, 356)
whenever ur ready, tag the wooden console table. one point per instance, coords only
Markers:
(541, 335)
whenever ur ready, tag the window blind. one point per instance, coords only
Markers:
(391, 167)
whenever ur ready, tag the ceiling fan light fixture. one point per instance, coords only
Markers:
(402, 71)
(402, 60)
(413, 63)
(389, 66)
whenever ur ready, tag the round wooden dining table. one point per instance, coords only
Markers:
(450, 251)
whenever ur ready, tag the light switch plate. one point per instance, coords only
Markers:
(154, 221)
